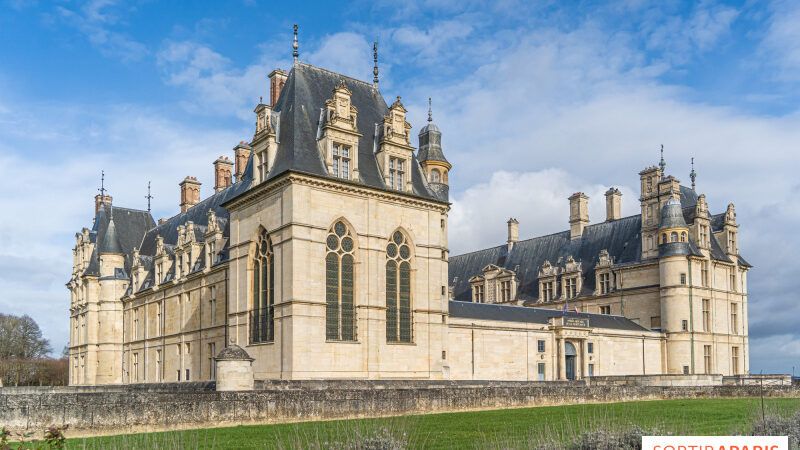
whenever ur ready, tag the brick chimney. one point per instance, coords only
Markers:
(100, 201)
(578, 214)
(613, 204)
(223, 170)
(276, 81)
(190, 193)
(513, 232)
(240, 154)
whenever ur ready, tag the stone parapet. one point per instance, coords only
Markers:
(106, 411)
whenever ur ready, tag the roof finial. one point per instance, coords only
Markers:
(430, 115)
(375, 58)
(148, 196)
(102, 184)
(295, 54)
(693, 174)
(662, 164)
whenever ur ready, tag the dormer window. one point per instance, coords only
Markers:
(396, 173)
(341, 161)
(704, 235)
(505, 291)
(605, 283)
(478, 293)
(571, 287)
(548, 291)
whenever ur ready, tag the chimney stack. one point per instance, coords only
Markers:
(276, 81)
(101, 200)
(513, 233)
(613, 204)
(190, 193)
(223, 170)
(578, 214)
(241, 153)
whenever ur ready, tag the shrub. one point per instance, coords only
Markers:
(776, 425)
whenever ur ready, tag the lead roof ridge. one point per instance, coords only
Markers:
(370, 85)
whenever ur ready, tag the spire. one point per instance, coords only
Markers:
(148, 196)
(110, 242)
(295, 54)
(693, 174)
(430, 115)
(662, 164)
(375, 58)
(102, 184)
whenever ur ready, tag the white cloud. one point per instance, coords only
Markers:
(781, 43)
(346, 53)
(95, 20)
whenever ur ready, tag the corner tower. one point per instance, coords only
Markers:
(430, 156)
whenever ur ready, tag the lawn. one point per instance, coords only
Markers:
(498, 428)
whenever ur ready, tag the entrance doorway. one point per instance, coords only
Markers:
(569, 360)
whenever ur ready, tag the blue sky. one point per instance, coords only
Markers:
(536, 100)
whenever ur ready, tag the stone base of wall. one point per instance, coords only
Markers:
(656, 380)
(111, 410)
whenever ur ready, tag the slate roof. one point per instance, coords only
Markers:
(508, 313)
(621, 238)
(130, 225)
(303, 96)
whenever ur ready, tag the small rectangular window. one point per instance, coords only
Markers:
(590, 347)
(442, 223)
(683, 278)
(684, 325)
(591, 370)
(540, 345)
(655, 322)
(179, 374)
(188, 347)
(686, 370)
(444, 290)
(541, 371)
(605, 309)
(444, 354)
(187, 374)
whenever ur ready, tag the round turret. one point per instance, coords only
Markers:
(673, 234)
(432, 160)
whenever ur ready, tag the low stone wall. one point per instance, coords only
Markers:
(656, 380)
(111, 410)
(757, 379)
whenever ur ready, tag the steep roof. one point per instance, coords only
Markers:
(508, 313)
(621, 238)
(302, 98)
(130, 225)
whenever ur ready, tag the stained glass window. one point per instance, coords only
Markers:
(262, 316)
(339, 284)
(398, 289)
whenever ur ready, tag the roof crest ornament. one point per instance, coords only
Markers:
(295, 53)
(148, 196)
(430, 115)
(693, 174)
(662, 164)
(102, 184)
(375, 69)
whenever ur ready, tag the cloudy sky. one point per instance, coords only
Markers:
(536, 100)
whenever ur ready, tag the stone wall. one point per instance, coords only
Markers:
(110, 410)
(657, 380)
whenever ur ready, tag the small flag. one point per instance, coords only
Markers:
(576, 310)
(566, 304)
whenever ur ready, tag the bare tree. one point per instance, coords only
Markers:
(20, 337)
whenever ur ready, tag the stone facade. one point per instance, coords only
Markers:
(323, 254)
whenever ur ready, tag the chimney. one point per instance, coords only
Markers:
(190, 193)
(613, 204)
(223, 169)
(578, 214)
(101, 200)
(276, 81)
(241, 153)
(160, 221)
(513, 233)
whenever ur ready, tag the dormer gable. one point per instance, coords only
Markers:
(395, 152)
(338, 135)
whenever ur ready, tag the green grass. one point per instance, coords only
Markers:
(474, 429)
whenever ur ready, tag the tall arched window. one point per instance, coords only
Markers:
(339, 282)
(262, 317)
(398, 289)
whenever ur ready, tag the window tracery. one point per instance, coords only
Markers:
(339, 284)
(398, 289)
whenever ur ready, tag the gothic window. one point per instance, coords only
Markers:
(262, 317)
(341, 161)
(398, 289)
(339, 284)
(396, 173)
(435, 177)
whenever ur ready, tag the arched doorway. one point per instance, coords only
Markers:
(569, 360)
